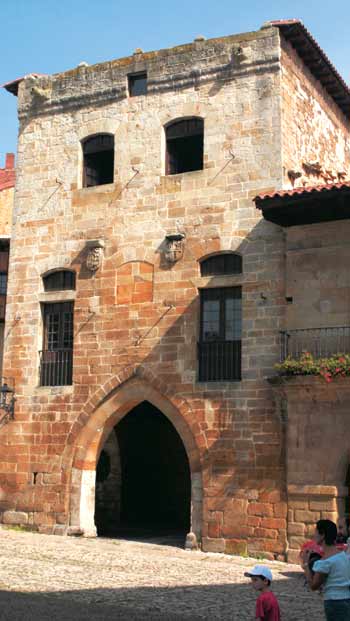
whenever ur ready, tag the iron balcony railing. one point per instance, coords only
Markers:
(219, 361)
(56, 367)
(320, 342)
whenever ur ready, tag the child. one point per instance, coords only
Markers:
(267, 608)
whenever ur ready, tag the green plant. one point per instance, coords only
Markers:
(337, 365)
(18, 527)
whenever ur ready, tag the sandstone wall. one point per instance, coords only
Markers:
(137, 314)
(317, 277)
(6, 207)
(315, 131)
(316, 419)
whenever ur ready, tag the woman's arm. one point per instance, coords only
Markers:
(316, 580)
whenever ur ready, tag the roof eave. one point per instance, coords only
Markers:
(294, 31)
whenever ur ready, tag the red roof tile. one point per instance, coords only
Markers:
(12, 86)
(303, 191)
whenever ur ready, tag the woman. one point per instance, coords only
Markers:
(332, 573)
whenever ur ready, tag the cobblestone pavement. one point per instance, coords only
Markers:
(49, 577)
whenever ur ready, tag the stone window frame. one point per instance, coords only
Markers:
(58, 271)
(174, 121)
(132, 79)
(219, 282)
(222, 270)
(82, 174)
(51, 297)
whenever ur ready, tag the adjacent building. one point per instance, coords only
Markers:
(147, 293)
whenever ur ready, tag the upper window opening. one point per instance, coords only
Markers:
(98, 166)
(58, 281)
(137, 84)
(184, 146)
(222, 265)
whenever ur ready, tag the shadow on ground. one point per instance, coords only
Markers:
(234, 602)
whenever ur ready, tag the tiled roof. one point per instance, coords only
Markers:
(308, 205)
(12, 87)
(7, 184)
(316, 60)
(302, 191)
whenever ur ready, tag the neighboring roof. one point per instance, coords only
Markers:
(316, 60)
(12, 87)
(302, 190)
(7, 184)
(306, 205)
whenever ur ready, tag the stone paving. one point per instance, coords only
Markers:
(49, 577)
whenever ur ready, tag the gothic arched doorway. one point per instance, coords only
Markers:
(143, 479)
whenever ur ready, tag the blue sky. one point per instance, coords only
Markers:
(47, 36)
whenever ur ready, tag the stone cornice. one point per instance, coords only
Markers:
(80, 97)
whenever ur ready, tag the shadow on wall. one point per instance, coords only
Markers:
(231, 460)
(227, 602)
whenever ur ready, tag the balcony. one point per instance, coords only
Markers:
(320, 342)
(219, 361)
(56, 367)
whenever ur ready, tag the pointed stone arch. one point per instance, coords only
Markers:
(92, 429)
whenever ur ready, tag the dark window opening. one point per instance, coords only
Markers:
(222, 265)
(3, 283)
(184, 146)
(98, 167)
(137, 84)
(219, 348)
(59, 281)
(56, 363)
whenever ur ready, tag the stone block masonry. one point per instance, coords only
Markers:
(136, 317)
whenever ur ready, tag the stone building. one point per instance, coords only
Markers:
(147, 292)
(7, 188)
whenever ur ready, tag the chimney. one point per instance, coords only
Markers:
(8, 174)
(10, 161)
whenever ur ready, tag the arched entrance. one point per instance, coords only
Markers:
(143, 482)
(97, 434)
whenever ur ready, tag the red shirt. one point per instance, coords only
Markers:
(267, 607)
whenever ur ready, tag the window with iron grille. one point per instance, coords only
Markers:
(3, 283)
(137, 84)
(56, 364)
(219, 347)
(98, 156)
(184, 146)
(59, 281)
(222, 265)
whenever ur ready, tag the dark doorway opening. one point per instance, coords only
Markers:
(151, 494)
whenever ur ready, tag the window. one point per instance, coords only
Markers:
(222, 265)
(60, 280)
(219, 348)
(137, 84)
(56, 364)
(98, 166)
(184, 146)
(3, 283)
